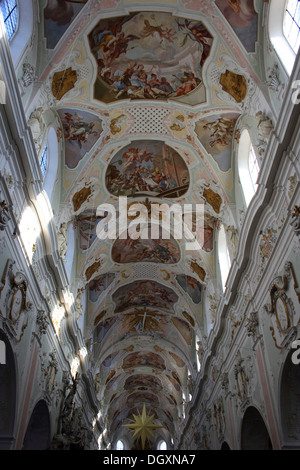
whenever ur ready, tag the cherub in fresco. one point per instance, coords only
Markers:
(134, 155)
(222, 131)
(197, 32)
(162, 31)
(76, 130)
(115, 46)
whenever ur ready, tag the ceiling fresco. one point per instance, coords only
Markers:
(143, 294)
(191, 286)
(147, 100)
(149, 55)
(216, 134)
(148, 250)
(99, 285)
(243, 18)
(148, 168)
(80, 131)
(58, 16)
(145, 359)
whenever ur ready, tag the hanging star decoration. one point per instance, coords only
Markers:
(142, 426)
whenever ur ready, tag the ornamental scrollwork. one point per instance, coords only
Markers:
(14, 306)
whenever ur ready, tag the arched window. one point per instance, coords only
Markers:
(52, 162)
(18, 16)
(253, 167)
(162, 445)
(284, 22)
(247, 166)
(10, 15)
(120, 445)
(224, 257)
(44, 161)
(291, 24)
(70, 251)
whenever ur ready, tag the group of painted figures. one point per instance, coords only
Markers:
(142, 78)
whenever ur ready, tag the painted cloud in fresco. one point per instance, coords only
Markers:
(149, 168)
(243, 19)
(149, 56)
(81, 132)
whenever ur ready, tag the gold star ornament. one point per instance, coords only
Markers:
(142, 426)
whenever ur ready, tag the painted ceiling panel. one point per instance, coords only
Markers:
(129, 48)
(143, 294)
(149, 168)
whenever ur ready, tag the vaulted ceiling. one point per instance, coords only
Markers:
(147, 101)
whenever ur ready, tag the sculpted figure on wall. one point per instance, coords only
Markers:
(62, 240)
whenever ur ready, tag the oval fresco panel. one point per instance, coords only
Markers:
(144, 294)
(147, 251)
(149, 168)
(149, 55)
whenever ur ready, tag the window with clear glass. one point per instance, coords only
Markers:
(9, 10)
(253, 167)
(120, 445)
(291, 24)
(162, 445)
(44, 161)
(248, 166)
(224, 256)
